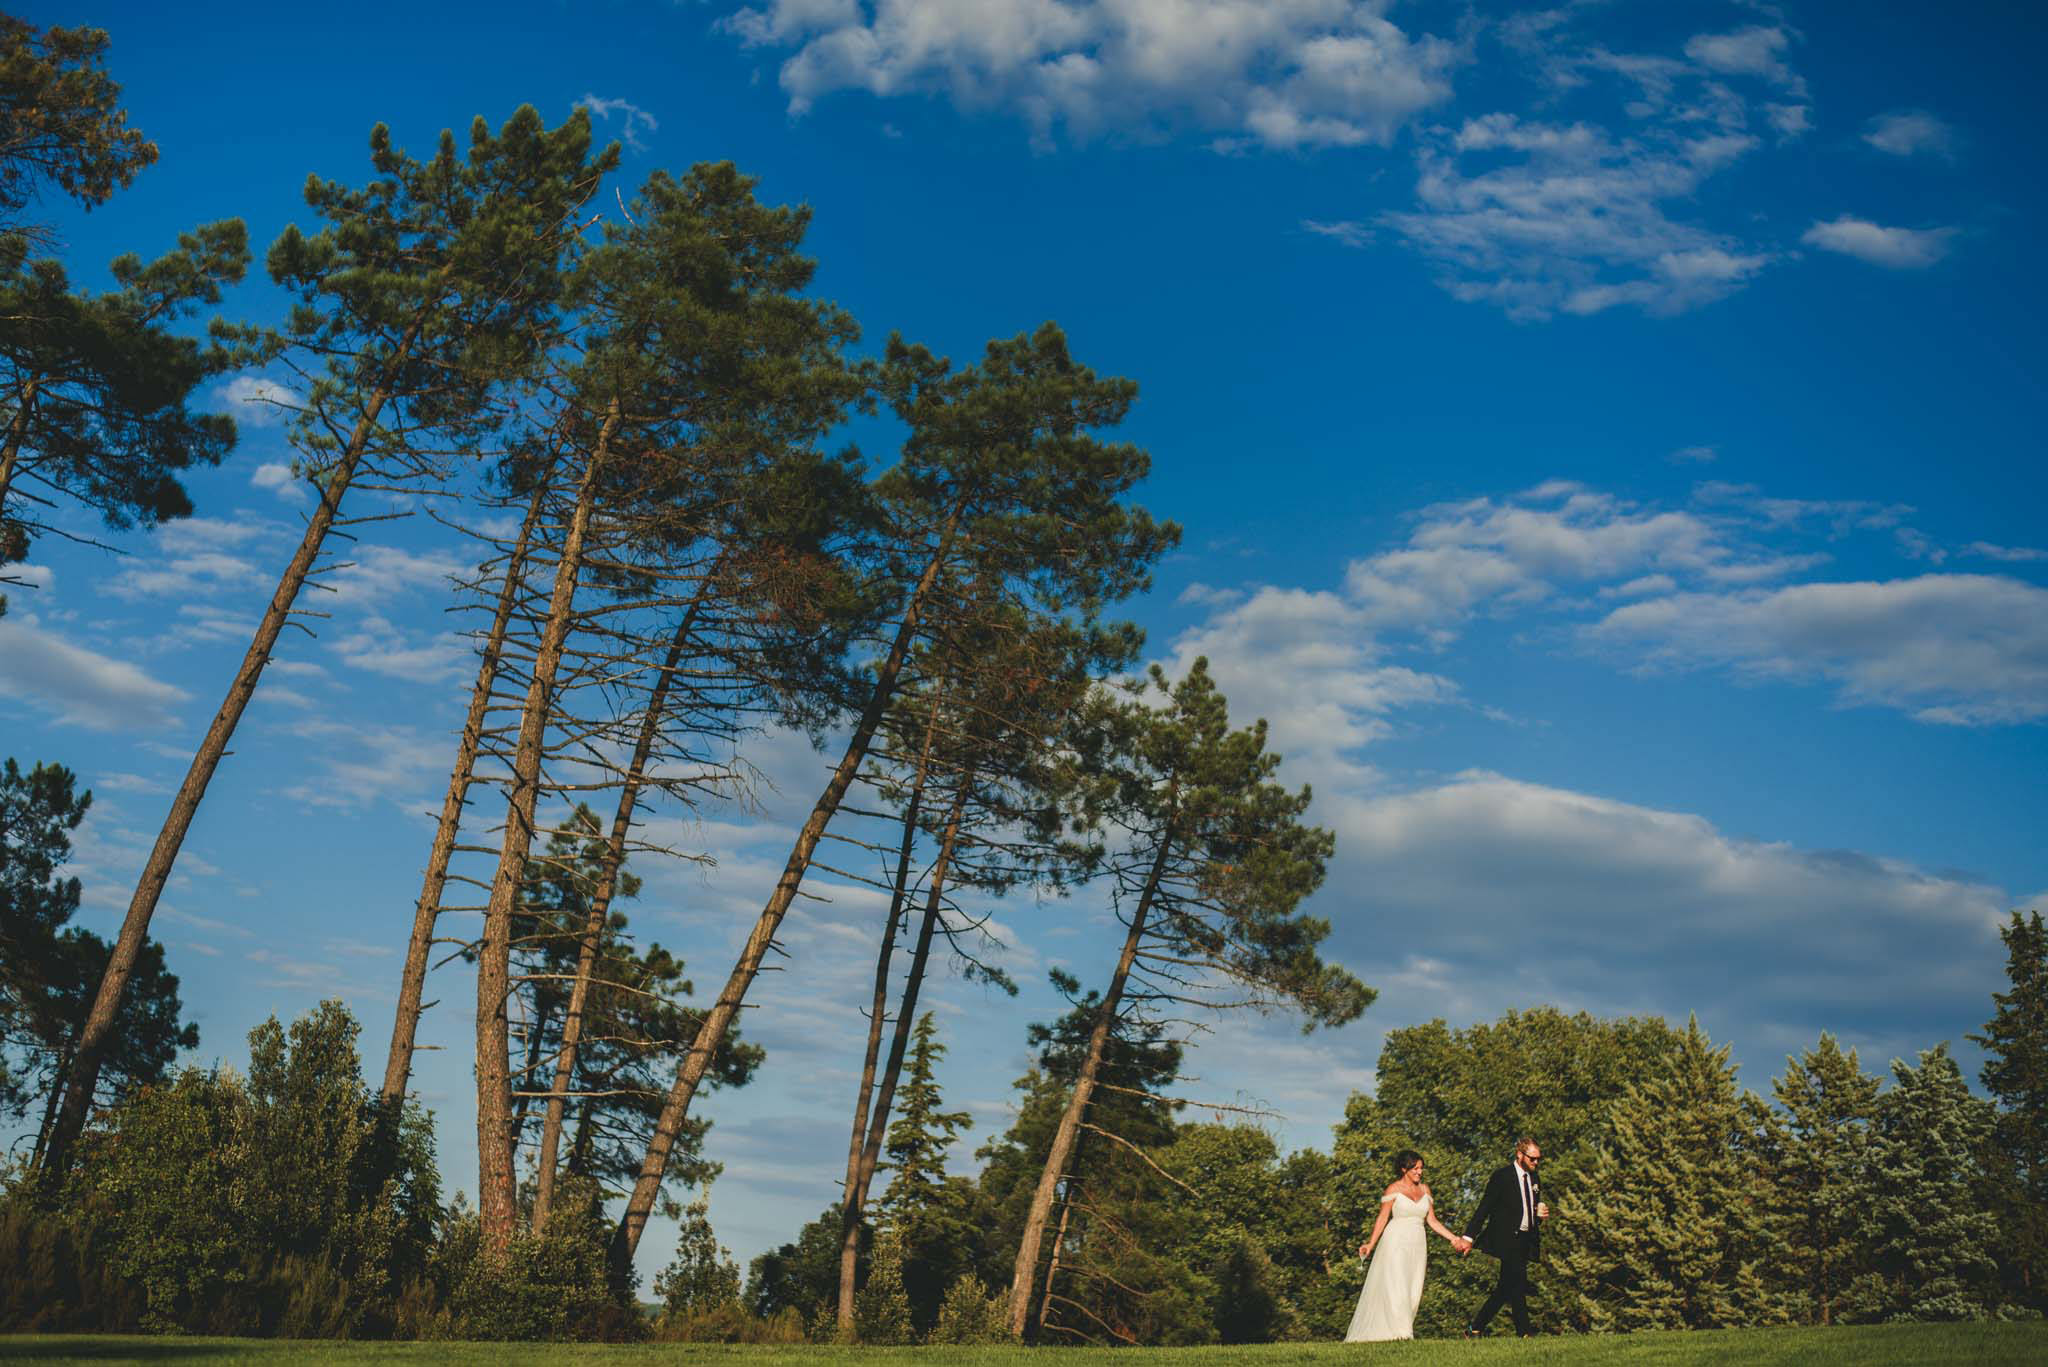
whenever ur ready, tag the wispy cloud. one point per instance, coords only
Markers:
(79, 685)
(1909, 132)
(1894, 248)
(1345, 231)
(633, 120)
(1958, 649)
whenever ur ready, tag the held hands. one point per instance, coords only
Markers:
(1460, 1244)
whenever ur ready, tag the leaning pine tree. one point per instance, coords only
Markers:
(1214, 862)
(1670, 1228)
(696, 358)
(1000, 683)
(418, 302)
(1001, 480)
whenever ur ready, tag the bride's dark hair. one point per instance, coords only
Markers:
(1405, 1160)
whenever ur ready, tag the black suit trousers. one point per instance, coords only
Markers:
(1512, 1290)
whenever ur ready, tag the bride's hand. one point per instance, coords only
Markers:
(1365, 1249)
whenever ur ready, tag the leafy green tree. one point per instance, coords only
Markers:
(882, 1308)
(1921, 1214)
(2015, 1073)
(702, 1276)
(225, 1201)
(320, 1182)
(422, 298)
(61, 123)
(1668, 1226)
(801, 1276)
(970, 1314)
(1209, 882)
(1828, 1103)
(1461, 1098)
(48, 969)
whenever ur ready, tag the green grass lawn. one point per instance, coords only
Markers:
(1900, 1344)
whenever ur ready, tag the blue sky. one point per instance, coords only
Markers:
(1604, 437)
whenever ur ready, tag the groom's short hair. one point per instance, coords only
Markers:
(1523, 1145)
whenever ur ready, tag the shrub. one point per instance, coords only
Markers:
(971, 1314)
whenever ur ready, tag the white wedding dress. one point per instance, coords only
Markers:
(1393, 1286)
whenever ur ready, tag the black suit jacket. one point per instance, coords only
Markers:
(1497, 1220)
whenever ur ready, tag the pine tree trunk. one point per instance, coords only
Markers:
(600, 911)
(99, 1024)
(17, 433)
(878, 1010)
(497, 1185)
(1077, 1105)
(711, 1034)
(412, 981)
(50, 1105)
(906, 1015)
(535, 1033)
(1052, 1266)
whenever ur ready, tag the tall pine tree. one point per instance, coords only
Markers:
(2016, 1073)
(1828, 1103)
(1921, 1213)
(929, 1214)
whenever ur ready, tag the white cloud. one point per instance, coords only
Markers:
(1574, 220)
(1950, 648)
(79, 685)
(633, 119)
(1897, 248)
(376, 645)
(257, 402)
(1463, 558)
(1791, 120)
(1693, 455)
(20, 572)
(1309, 664)
(1907, 132)
(375, 574)
(1534, 894)
(1757, 51)
(1271, 73)
(356, 765)
(278, 478)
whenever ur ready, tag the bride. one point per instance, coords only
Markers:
(1393, 1288)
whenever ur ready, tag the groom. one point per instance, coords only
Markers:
(1506, 1224)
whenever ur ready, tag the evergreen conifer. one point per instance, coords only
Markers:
(1669, 1228)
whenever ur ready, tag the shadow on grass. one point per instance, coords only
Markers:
(42, 1348)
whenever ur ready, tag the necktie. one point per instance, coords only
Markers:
(1528, 1201)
